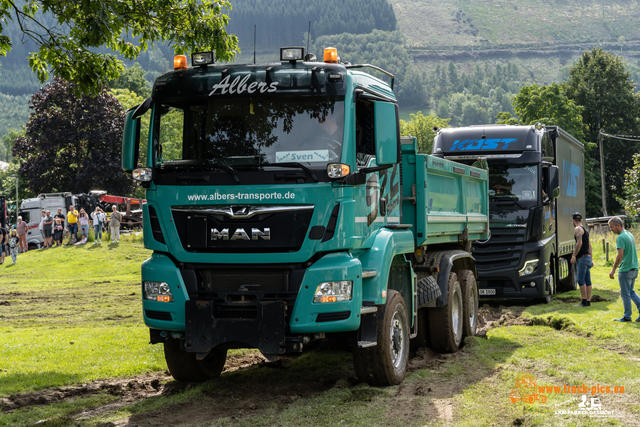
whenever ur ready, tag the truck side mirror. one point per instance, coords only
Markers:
(554, 187)
(386, 132)
(130, 142)
(131, 135)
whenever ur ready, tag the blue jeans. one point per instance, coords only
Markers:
(583, 270)
(97, 229)
(627, 280)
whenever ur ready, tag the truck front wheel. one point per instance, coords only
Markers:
(569, 283)
(183, 366)
(446, 323)
(386, 363)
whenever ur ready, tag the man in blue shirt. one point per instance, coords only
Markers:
(627, 261)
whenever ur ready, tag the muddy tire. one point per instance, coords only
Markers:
(446, 323)
(183, 366)
(551, 285)
(569, 283)
(386, 363)
(469, 303)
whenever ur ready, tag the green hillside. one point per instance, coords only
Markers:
(465, 24)
(416, 39)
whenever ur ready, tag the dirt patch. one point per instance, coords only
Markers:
(492, 317)
(570, 300)
(128, 390)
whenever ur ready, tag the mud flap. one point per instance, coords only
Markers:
(266, 331)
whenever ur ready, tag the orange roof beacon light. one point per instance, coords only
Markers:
(180, 62)
(331, 55)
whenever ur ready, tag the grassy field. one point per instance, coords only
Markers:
(71, 315)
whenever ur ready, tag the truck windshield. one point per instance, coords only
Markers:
(517, 183)
(248, 131)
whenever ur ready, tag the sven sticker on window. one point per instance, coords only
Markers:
(302, 156)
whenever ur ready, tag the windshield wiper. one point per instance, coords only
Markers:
(229, 169)
(287, 165)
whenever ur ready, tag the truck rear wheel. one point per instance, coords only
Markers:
(469, 303)
(445, 323)
(183, 366)
(386, 363)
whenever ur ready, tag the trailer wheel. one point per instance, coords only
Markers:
(183, 366)
(445, 323)
(386, 363)
(470, 303)
(569, 283)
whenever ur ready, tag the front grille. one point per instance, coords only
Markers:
(238, 280)
(237, 292)
(502, 251)
(281, 230)
(158, 315)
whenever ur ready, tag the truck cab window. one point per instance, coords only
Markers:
(246, 131)
(509, 182)
(365, 137)
(171, 134)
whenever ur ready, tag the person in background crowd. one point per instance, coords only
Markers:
(72, 221)
(83, 220)
(83, 241)
(114, 224)
(58, 226)
(627, 259)
(582, 258)
(48, 230)
(14, 243)
(21, 230)
(43, 213)
(4, 239)
(58, 230)
(98, 217)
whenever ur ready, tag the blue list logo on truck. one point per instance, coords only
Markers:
(570, 178)
(482, 144)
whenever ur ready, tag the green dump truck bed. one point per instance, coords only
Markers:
(444, 201)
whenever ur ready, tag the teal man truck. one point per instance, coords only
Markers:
(536, 182)
(283, 207)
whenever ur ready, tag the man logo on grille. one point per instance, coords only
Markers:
(241, 234)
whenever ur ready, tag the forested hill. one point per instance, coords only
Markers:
(459, 59)
(286, 22)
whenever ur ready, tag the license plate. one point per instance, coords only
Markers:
(487, 291)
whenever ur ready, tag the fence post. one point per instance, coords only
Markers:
(607, 251)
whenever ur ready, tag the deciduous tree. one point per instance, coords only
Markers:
(72, 143)
(127, 27)
(601, 84)
(421, 127)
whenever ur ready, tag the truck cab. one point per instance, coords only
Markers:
(536, 180)
(275, 209)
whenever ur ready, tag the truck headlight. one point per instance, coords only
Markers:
(529, 267)
(338, 170)
(333, 291)
(157, 291)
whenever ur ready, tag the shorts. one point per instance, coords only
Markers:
(46, 233)
(3, 248)
(73, 228)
